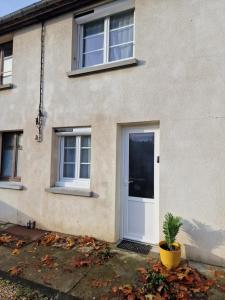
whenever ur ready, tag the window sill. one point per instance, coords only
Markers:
(103, 68)
(70, 191)
(11, 185)
(6, 86)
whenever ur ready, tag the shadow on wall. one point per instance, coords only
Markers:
(204, 239)
(11, 214)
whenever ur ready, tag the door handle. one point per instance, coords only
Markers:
(128, 182)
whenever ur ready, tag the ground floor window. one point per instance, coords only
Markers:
(74, 162)
(10, 152)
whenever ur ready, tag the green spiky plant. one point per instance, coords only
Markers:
(171, 226)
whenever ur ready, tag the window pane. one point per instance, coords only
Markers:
(7, 158)
(141, 165)
(93, 58)
(18, 163)
(69, 171)
(69, 141)
(85, 155)
(122, 19)
(19, 154)
(7, 79)
(94, 27)
(69, 155)
(93, 43)
(7, 140)
(121, 52)
(121, 36)
(7, 49)
(7, 64)
(84, 171)
(86, 141)
(7, 154)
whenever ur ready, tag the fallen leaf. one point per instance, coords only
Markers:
(46, 280)
(149, 297)
(142, 270)
(171, 278)
(219, 274)
(15, 252)
(114, 289)
(131, 297)
(6, 239)
(127, 289)
(104, 298)
(222, 288)
(196, 290)
(20, 243)
(210, 282)
(49, 239)
(15, 271)
(69, 243)
(48, 261)
(98, 283)
(79, 263)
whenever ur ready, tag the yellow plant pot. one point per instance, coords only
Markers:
(170, 259)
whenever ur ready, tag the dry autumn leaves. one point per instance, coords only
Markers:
(154, 282)
(157, 283)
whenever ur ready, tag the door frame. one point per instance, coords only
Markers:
(145, 128)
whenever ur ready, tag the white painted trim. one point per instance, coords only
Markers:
(103, 67)
(106, 48)
(106, 10)
(75, 182)
(11, 185)
(76, 131)
(124, 184)
(70, 191)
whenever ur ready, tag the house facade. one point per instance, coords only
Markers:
(112, 114)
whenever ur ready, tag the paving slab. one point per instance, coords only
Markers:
(25, 233)
(60, 276)
(121, 269)
(215, 273)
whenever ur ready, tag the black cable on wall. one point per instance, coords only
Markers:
(40, 117)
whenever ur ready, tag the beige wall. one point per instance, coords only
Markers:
(179, 82)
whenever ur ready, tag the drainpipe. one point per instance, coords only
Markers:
(40, 117)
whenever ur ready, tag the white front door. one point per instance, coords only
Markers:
(140, 184)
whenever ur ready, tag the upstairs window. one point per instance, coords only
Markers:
(107, 40)
(10, 154)
(6, 57)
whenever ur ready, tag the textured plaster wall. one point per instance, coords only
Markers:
(179, 82)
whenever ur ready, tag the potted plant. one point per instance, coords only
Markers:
(170, 250)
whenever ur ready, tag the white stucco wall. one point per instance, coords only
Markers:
(179, 82)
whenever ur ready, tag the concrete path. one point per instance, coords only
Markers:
(53, 268)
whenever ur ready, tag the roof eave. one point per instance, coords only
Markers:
(39, 12)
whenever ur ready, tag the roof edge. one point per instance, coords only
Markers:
(39, 12)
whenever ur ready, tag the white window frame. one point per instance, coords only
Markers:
(104, 12)
(4, 75)
(77, 182)
(7, 74)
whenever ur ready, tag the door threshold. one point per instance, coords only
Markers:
(134, 246)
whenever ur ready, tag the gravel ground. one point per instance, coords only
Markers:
(13, 291)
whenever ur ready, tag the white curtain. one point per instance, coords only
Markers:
(121, 36)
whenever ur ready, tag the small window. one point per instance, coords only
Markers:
(6, 57)
(11, 149)
(107, 40)
(75, 158)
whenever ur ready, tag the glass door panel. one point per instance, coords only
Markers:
(141, 165)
